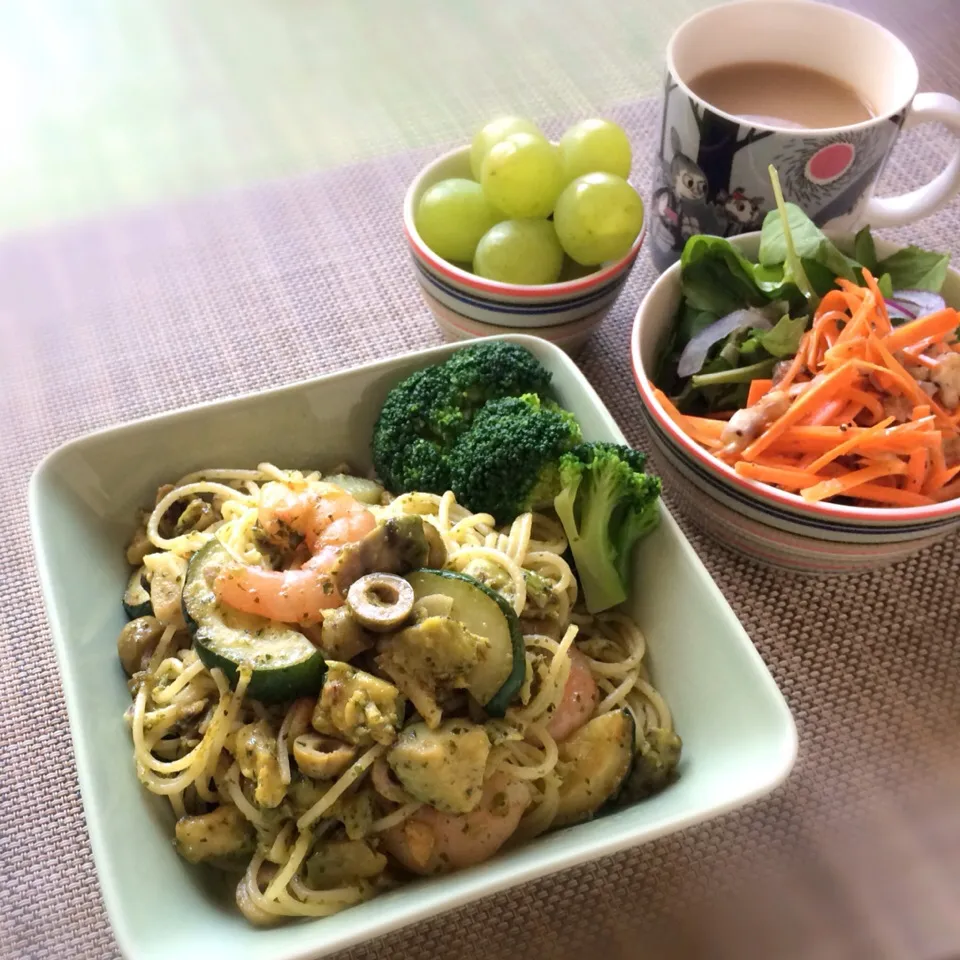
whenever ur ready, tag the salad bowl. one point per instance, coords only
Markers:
(769, 525)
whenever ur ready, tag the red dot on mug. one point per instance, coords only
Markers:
(830, 162)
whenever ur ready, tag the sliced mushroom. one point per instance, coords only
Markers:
(398, 545)
(140, 545)
(322, 758)
(341, 636)
(197, 516)
(137, 641)
(380, 601)
(166, 586)
(437, 549)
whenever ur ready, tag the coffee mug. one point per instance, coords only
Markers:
(711, 174)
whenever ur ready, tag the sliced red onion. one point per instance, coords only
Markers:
(911, 304)
(695, 352)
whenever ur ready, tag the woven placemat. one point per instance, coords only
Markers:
(857, 856)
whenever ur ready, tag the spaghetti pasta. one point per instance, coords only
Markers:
(234, 767)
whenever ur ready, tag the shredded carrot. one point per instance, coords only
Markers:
(849, 444)
(837, 486)
(949, 492)
(835, 438)
(796, 365)
(939, 478)
(892, 496)
(758, 388)
(801, 406)
(712, 428)
(913, 387)
(882, 317)
(783, 476)
(868, 401)
(830, 412)
(933, 325)
(916, 470)
(859, 325)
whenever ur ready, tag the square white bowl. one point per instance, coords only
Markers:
(739, 737)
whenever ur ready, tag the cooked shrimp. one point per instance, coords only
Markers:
(434, 842)
(328, 518)
(580, 698)
(322, 513)
(291, 596)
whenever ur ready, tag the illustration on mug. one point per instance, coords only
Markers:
(712, 173)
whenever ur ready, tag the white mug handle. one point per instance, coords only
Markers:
(920, 203)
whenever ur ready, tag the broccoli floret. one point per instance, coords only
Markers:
(507, 462)
(496, 369)
(424, 415)
(419, 422)
(606, 504)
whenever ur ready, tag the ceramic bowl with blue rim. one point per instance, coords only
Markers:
(771, 526)
(504, 305)
(570, 337)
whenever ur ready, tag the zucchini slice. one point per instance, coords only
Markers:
(284, 663)
(495, 681)
(136, 598)
(366, 491)
(594, 764)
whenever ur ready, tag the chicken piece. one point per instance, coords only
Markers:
(748, 423)
(430, 659)
(342, 862)
(898, 407)
(222, 832)
(255, 748)
(357, 706)
(443, 767)
(946, 376)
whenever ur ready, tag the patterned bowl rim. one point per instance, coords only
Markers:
(835, 512)
(557, 333)
(454, 273)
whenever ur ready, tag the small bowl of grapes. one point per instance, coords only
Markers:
(517, 232)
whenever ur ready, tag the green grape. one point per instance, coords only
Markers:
(597, 218)
(522, 176)
(520, 251)
(493, 133)
(593, 146)
(452, 216)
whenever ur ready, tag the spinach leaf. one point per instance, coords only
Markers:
(821, 278)
(692, 321)
(914, 269)
(784, 339)
(716, 277)
(779, 236)
(808, 240)
(865, 250)
(885, 284)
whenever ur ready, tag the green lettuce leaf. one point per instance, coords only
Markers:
(865, 251)
(784, 339)
(914, 269)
